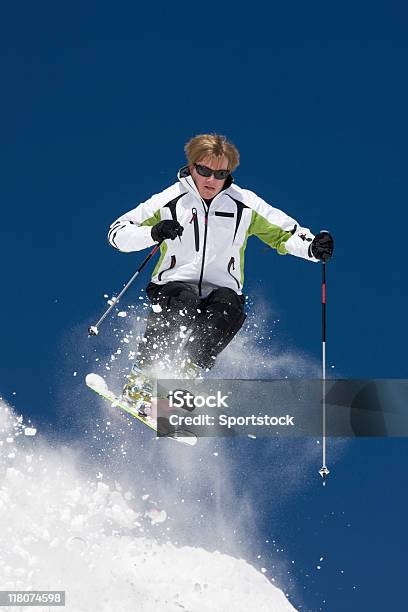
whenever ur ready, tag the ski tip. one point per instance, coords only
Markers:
(93, 330)
(96, 382)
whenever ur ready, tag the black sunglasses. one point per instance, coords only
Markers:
(220, 175)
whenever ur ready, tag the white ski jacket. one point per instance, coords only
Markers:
(210, 253)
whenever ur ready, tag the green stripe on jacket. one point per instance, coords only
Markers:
(163, 247)
(273, 235)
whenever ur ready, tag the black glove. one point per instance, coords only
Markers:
(166, 229)
(322, 246)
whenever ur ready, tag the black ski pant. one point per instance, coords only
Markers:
(183, 325)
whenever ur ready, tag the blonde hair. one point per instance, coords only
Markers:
(211, 145)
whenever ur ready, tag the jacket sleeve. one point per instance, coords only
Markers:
(278, 230)
(132, 231)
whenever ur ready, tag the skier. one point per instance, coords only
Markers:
(203, 222)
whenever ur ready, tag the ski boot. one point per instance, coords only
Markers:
(138, 391)
(189, 370)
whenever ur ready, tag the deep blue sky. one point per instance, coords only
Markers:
(97, 101)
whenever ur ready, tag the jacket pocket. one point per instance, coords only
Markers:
(171, 266)
(231, 265)
(223, 214)
(194, 220)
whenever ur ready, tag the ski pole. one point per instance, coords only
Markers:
(93, 329)
(324, 471)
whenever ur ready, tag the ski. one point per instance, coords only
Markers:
(97, 384)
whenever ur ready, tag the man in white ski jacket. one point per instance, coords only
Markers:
(203, 222)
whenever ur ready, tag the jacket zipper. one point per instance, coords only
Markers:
(231, 264)
(204, 247)
(196, 231)
(172, 264)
